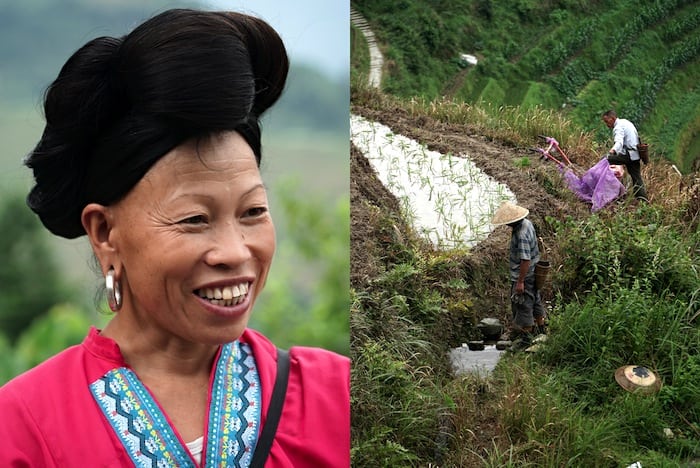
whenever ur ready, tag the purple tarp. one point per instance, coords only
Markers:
(597, 186)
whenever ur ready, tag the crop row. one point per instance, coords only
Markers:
(558, 50)
(684, 23)
(646, 94)
(675, 124)
(574, 76)
(446, 198)
(647, 16)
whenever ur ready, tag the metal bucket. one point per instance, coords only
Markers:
(541, 273)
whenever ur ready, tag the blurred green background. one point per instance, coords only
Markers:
(49, 292)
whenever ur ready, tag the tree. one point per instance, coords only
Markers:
(309, 306)
(30, 283)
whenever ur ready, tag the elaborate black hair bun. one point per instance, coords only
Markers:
(120, 104)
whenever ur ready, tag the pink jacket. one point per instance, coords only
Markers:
(50, 419)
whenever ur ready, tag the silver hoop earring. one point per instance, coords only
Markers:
(114, 293)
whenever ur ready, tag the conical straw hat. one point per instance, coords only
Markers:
(509, 213)
(640, 378)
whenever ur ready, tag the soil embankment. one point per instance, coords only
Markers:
(486, 261)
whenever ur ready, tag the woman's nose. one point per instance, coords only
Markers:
(229, 246)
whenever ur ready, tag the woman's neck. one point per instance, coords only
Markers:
(148, 350)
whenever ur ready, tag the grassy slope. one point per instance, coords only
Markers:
(563, 409)
(639, 57)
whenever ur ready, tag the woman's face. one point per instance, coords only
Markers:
(195, 240)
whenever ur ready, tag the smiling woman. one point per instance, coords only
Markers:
(152, 149)
(182, 249)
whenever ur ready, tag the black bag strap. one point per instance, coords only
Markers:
(279, 392)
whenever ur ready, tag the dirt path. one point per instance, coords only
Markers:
(455, 84)
(376, 60)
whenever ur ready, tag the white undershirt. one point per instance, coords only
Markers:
(195, 447)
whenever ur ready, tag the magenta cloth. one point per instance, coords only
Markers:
(598, 186)
(50, 419)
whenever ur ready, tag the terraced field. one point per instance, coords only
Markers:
(639, 57)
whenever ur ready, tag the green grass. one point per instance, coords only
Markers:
(360, 53)
(559, 407)
(627, 292)
(579, 57)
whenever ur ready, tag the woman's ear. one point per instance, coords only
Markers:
(97, 222)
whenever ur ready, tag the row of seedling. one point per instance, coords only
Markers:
(448, 198)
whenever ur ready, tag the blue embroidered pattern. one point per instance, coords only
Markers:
(234, 415)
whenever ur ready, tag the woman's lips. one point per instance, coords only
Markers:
(226, 301)
(226, 296)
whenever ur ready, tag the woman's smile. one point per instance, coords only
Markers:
(226, 296)
(230, 301)
(199, 218)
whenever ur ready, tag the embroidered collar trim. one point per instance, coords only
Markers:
(150, 441)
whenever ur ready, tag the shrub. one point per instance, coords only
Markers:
(638, 246)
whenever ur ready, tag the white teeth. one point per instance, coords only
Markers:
(227, 296)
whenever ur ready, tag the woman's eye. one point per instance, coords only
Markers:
(198, 219)
(257, 211)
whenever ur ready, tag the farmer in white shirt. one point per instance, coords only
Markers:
(624, 150)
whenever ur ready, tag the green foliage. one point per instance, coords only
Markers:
(62, 326)
(292, 311)
(586, 56)
(492, 93)
(30, 282)
(377, 449)
(9, 367)
(401, 404)
(607, 330)
(549, 430)
(361, 58)
(400, 330)
(565, 397)
(638, 247)
(523, 162)
(401, 327)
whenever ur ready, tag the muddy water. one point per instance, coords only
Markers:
(465, 361)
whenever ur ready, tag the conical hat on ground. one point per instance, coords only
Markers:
(633, 378)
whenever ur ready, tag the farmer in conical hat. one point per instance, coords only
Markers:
(528, 313)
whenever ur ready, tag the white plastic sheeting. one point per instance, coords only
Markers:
(446, 198)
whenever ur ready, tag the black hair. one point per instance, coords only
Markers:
(119, 104)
